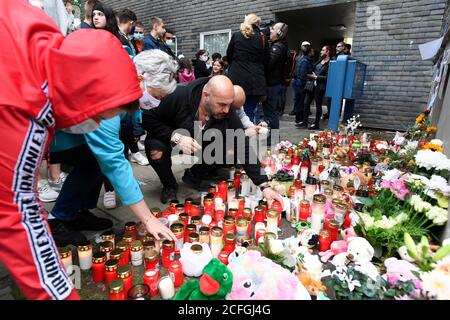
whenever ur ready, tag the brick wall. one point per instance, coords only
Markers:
(398, 82)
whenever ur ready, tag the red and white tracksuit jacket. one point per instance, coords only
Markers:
(48, 81)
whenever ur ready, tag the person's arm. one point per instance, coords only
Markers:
(108, 150)
(244, 118)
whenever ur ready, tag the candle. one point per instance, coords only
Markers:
(188, 205)
(303, 173)
(318, 212)
(259, 237)
(151, 279)
(314, 166)
(310, 188)
(172, 204)
(116, 290)
(85, 255)
(117, 254)
(176, 273)
(237, 179)
(339, 212)
(278, 208)
(204, 235)
(272, 221)
(245, 186)
(172, 218)
(184, 217)
(259, 214)
(66, 258)
(229, 225)
(106, 247)
(241, 228)
(193, 237)
(168, 248)
(98, 266)
(152, 260)
(222, 190)
(108, 236)
(241, 206)
(130, 227)
(233, 212)
(230, 243)
(139, 292)
(206, 220)
(220, 214)
(178, 230)
(197, 221)
(124, 273)
(156, 212)
(223, 257)
(333, 227)
(166, 288)
(216, 241)
(329, 194)
(111, 270)
(179, 208)
(324, 240)
(305, 210)
(122, 245)
(190, 228)
(337, 191)
(195, 209)
(137, 253)
(208, 206)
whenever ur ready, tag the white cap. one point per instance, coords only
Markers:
(305, 43)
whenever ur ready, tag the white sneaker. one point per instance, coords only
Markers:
(139, 159)
(141, 146)
(57, 185)
(45, 192)
(109, 200)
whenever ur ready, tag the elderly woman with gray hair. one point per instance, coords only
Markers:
(156, 72)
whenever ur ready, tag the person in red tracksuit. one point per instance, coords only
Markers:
(49, 82)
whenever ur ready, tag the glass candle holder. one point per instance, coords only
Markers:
(194, 237)
(116, 290)
(245, 186)
(184, 217)
(340, 210)
(304, 171)
(195, 209)
(156, 212)
(151, 278)
(167, 253)
(278, 207)
(178, 230)
(318, 212)
(333, 227)
(222, 190)
(204, 235)
(98, 267)
(166, 288)
(259, 214)
(230, 243)
(130, 227)
(152, 260)
(176, 273)
(172, 205)
(66, 258)
(117, 254)
(111, 270)
(272, 221)
(337, 191)
(324, 240)
(216, 241)
(208, 206)
(139, 292)
(241, 228)
(108, 236)
(197, 248)
(122, 245)
(305, 210)
(310, 188)
(106, 247)
(124, 273)
(197, 221)
(85, 255)
(328, 194)
(229, 225)
(137, 253)
(190, 228)
(259, 236)
(206, 221)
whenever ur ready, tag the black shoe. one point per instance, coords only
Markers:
(194, 182)
(168, 194)
(313, 127)
(63, 235)
(326, 116)
(86, 220)
(292, 113)
(302, 124)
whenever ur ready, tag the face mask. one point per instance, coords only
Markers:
(169, 43)
(204, 58)
(147, 101)
(86, 126)
(139, 36)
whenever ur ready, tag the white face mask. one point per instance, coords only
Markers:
(204, 58)
(147, 101)
(86, 126)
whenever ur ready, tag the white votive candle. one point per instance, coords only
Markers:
(166, 287)
(85, 256)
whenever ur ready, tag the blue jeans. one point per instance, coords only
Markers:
(83, 184)
(250, 107)
(271, 106)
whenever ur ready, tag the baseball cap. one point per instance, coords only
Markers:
(306, 43)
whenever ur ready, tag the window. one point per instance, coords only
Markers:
(215, 41)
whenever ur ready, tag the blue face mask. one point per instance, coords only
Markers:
(139, 36)
(169, 42)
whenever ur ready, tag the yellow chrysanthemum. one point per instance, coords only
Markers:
(420, 118)
(431, 129)
(433, 147)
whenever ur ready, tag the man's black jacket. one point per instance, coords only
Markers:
(277, 60)
(179, 111)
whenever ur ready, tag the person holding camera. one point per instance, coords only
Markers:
(274, 74)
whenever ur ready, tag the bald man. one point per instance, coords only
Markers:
(198, 106)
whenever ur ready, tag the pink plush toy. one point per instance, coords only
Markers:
(399, 270)
(258, 278)
(339, 246)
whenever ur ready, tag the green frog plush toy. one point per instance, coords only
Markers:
(214, 284)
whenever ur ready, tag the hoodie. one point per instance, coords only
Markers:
(186, 76)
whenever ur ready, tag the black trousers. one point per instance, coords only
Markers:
(318, 96)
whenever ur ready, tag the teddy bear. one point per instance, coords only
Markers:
(360, 252)
(258, 278)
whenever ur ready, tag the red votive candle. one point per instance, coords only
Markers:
(278, 208)
(116, 290)
(98, 267)
(333, 227)
(176, 273)
(151, 279)
(111, 270)
(124, 273)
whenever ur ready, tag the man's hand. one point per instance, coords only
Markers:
(188, 145)
(272, 195)
(156, 228)
(252, 131)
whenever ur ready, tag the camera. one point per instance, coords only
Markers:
(265, 28)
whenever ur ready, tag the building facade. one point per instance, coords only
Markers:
(385, 36)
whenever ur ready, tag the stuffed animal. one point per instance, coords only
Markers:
(399, 270)
(311, 284)
(194, 263)
(214, 284)
(360, 252)
(338, 246)
(309, 238)
(258, 278)
(303, 258)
